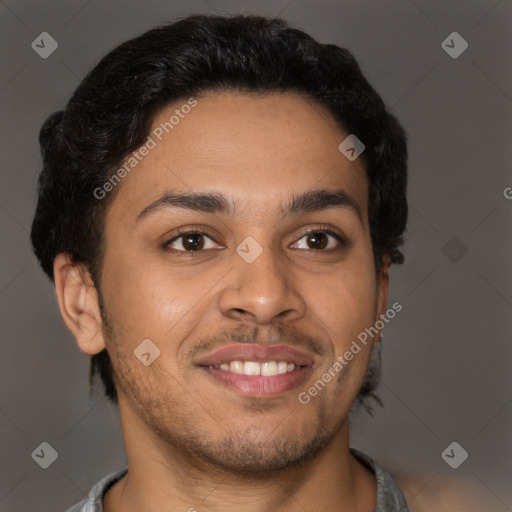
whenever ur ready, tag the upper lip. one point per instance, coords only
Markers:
(257, 353)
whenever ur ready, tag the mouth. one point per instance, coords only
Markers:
(257, 371)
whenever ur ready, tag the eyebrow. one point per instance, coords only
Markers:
(214, 202)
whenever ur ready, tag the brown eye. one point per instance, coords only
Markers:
(318, 240)
(193, 242)
(190, 241)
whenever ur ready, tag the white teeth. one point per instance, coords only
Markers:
(282, 367)
(267, 368)
(252, 368)
(236, 366)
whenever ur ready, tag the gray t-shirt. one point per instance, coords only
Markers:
(389, 496)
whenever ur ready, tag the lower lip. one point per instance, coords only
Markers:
(259, 385)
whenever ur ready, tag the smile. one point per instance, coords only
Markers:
(266, 368)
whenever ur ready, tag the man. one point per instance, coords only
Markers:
(219, 206)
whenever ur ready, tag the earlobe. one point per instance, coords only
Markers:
(78, 303)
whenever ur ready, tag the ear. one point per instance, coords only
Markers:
(383, 289)
(78, 303)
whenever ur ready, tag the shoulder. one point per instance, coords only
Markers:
(94, 500)
(389, 496)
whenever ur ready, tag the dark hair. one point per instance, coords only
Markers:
(111, 112)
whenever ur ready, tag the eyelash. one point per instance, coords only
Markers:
(319, 229)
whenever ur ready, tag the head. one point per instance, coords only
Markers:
(250, 109)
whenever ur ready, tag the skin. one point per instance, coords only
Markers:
(191, 443)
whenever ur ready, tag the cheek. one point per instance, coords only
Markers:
(344, 305)
(153, 299)
(142, 297)
(345, 300)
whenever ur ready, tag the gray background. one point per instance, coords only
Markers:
(447, 356)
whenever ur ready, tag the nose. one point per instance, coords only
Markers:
(263, 289)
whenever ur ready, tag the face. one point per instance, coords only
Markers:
(258, 282)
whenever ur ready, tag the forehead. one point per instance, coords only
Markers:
(256, 149)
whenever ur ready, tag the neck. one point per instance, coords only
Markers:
(161, 476)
